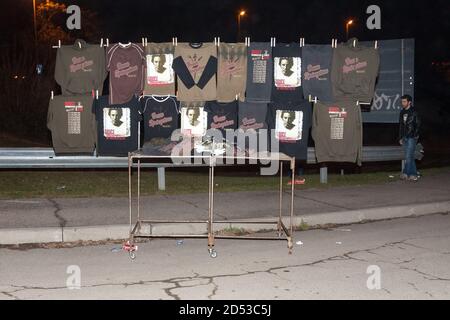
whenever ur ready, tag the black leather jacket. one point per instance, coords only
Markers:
(409, 124)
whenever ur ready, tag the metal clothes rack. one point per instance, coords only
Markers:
(136, 158)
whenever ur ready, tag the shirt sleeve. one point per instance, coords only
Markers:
(209, 71)
(182, 72)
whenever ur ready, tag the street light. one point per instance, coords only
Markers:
(240, 14)
(349, 23)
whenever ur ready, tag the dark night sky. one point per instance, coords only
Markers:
(201, 20)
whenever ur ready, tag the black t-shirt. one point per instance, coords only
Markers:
(252, 115)
(160, 116)
(117, 126)
(287, 74)
(222, 116)
(290, 124)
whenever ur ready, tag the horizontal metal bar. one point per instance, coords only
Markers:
(177, 236)
(34, 158)
(171, 221)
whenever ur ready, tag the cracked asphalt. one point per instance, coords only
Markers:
(413, 257)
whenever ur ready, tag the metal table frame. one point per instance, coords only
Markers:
(135, 159)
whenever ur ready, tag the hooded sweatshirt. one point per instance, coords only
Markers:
(354, 72)
(80, 68)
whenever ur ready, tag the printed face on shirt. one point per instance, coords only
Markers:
(193, 121)
(287, 72)
(116, 116)
(159, 69)
(288, 125)
(288, 118)
(193, 114)
(286, 65)
(116, 123)
(158, 61)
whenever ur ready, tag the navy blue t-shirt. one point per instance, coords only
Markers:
(289, 125)
(117, 126)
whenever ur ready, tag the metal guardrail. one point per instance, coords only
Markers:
(45, 158)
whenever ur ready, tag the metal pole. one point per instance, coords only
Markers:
(35, 32)
(281, 197)
(323, 175)
(130, 162)
(239, 26)
(139, 190)
(161, 178)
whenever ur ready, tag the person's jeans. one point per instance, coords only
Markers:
(409, 146)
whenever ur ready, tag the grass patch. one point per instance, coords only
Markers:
(303, 226)
(53, 184)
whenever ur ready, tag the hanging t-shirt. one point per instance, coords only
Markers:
(316, 73)
(117, 126)
(232, 72)
(337, 132)
(196, 66)
(72, 124)
(289, 124)
(222, 116)
(252, 119)
(252, 116)
(354, 72)
(194, 119)
(80, 68)
(160, 116)
(159, 77)
(125, 63)
(287, 64)
(259, 72)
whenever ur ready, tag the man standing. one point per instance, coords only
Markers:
(408, 135)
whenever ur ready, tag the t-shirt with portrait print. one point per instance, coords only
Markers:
(287, 74)
(159, 75)
(289, 125)
(117, 126)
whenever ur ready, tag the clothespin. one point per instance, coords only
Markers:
(376, 44)
(58, 46)
(107, 42)
(247, 41)
(96, 94)
(52, 95)
(144, 42)
(174, 41)
(272, 42)
(334, 43)
(358, 103)
(354, 43)
(302, 42)
(101, 42)
(79, 44)
(310, 99)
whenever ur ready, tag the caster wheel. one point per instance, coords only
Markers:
(132, 255)
(212, 253)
